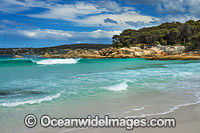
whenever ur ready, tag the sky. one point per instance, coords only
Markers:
(42, 23)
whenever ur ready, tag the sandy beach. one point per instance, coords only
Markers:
(100, 66)
(76, 88)
(187, 120)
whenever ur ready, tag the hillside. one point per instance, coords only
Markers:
(61, 49)
(187, 34)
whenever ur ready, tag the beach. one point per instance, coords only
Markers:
(187, 118)
(100, 66)
(76, 88)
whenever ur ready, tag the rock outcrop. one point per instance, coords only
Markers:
(158, 52)
(171, 50)
(18, 56)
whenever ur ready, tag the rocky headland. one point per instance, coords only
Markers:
(153, 53)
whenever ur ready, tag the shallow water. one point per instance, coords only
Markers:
(81, 87)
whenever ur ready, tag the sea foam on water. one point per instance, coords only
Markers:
(56, 61)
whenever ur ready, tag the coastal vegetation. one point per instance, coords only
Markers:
(167, 41)
(61, 49)
(174, 33)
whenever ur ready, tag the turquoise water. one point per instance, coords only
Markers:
(81, 87)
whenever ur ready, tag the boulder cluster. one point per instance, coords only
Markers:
(132, 52)
(154, 53)
(18, 56)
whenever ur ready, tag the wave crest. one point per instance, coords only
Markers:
(48, 98)
(56, 61)
(119, 87)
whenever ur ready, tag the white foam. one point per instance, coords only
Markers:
(135, 109)
(48, 98)
(167, 112)
(56, 61)
(138, 109)
(119, 87)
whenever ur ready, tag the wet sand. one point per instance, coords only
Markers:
(187, 121)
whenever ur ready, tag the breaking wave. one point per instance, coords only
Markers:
(48, 98)
(119, 87)
(39, 61)
(56, 61)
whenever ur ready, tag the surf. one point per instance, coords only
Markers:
(45, 99)
(56, 61)
(37, 61)
(118, 87)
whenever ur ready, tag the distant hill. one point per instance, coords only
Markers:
(61, 49)
(82, 46)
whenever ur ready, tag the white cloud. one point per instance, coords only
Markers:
(121, 20)
(179, 18)
(146, 1)
(174, 6)
(8, 7)
(191, 7)
(69, 12)
(60, 36)
(45, 34)
(9, 22)
(90, 14)
(30, 3)
(94, 13)
(6, 24)
(194, 7)
(110, 5)
(65, 35)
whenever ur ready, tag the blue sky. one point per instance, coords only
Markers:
(41, 23)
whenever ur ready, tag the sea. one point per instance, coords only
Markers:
(74, 88)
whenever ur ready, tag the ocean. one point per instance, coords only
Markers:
(80, 87)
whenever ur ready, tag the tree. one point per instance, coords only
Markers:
(165, 34)
(173, 36)
(185, 31)
(195, 40)
(116, 40)
(127, 40)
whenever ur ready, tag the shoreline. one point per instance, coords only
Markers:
(153, 53)
(170, 57)
(187, 120)
(187, 117)
(174, 57)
